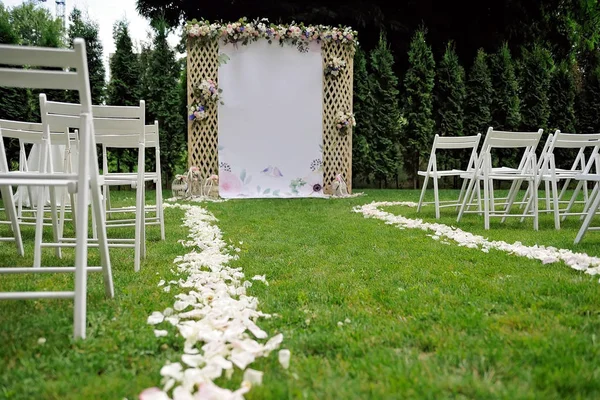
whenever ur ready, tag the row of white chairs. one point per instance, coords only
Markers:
(532, 170)
(77, 128)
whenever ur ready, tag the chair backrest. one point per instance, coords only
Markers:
(454, 143)
(31, 132)
(152, 135)
(528, 141)
(72, 76)
(581, 141)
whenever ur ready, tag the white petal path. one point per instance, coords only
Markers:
(547, 255)
(214, 315)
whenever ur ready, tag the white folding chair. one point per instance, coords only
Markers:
(448, 143)
(32, 134)
(152, 140)
(526, 171)
(120, 127)
(551, 175)
(73, 75)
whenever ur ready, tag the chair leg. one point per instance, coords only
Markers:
(159, 208)
(11, 213)
(54, 215)
(39, 228)
(425, 181)
(591, 213)
(436, 197)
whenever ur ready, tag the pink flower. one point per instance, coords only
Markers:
(229, 183)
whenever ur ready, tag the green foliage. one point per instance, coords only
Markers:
(163, 99)
(124, 84)
(35, 26)
(364, 106)
(385, 141)
(419, 82)
(87, 29)
(450, 93)
(480, 92)
(562, 99)
(588, 99)
(505, 102)
(535, 72)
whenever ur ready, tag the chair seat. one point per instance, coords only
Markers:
(588, 177)
(452, 172)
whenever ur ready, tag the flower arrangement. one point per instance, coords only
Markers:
(344, 123)
(335, 66)
(208, 92)
(244, 32)
(197, 113)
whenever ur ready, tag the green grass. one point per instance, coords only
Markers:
(428, 320)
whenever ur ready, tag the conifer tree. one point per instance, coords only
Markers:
(449, 97)
(562, 99)
(87, 29)
(478, 104)
(450, 93)
(505, 102)
(163, 98)
(418, 108)
(124, 84)
(535, 73)
(386, 113)
(362, 157)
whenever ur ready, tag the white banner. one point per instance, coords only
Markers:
(271, 125)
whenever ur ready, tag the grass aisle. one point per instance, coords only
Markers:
(367, 310)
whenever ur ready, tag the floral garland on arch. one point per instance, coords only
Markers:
(244, 32)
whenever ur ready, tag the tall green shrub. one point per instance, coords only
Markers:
(362, 157)
(417, 135)
(505, 102)
(386, 113)
(535, 73)
(480, 91)
(562, 99)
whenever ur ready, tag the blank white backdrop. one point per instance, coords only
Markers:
(270, 127)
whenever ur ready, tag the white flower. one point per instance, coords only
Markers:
(41, 340)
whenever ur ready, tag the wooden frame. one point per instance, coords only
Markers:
(203, 63)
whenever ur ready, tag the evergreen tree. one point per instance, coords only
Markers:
(562, 99)
(450, 93)
(505, 102)
(123, 87)
(418, 108)
(386, 113)
(362, 157)
(535, 72)
(88, 30)
(588, 98)
(162, 99)
(478, 104)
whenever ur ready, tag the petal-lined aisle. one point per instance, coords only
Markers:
(213, 314)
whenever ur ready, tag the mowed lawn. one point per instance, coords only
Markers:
(427, 320)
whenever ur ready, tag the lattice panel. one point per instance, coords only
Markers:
(203, 63)
(337, 96)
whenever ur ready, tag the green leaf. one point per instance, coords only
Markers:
(243, 175)
(276, 193)
(267, 191)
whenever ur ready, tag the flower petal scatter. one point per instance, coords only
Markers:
(244, 32)
(214, 316)
(547, 255)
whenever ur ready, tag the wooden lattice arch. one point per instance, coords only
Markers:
(203, 63)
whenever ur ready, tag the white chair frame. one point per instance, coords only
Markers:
(86, 183)
(432, 172)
